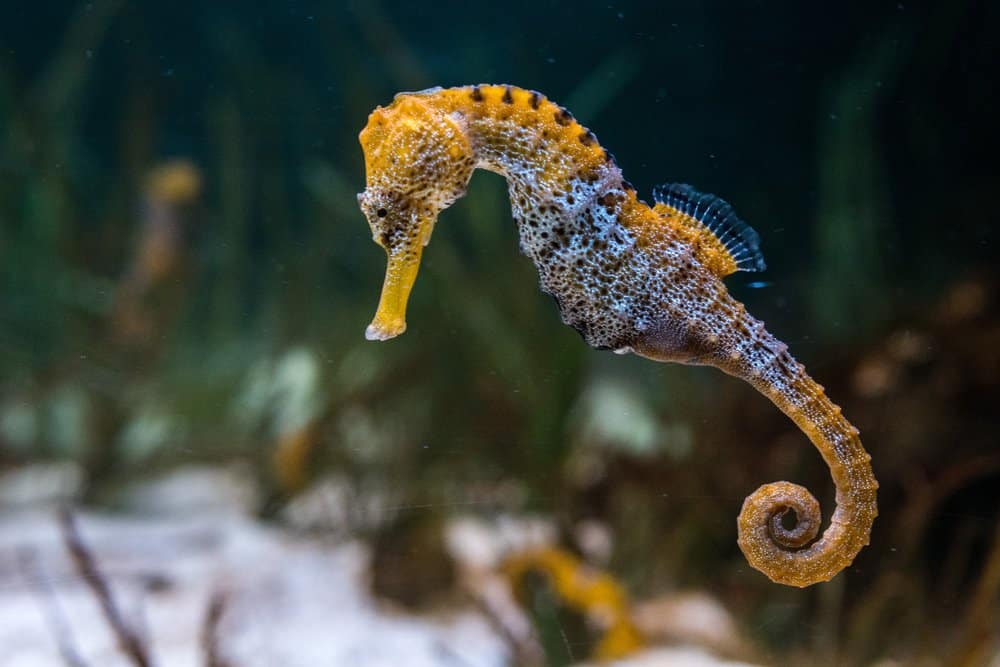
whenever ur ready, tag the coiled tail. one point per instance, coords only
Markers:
(780, 521)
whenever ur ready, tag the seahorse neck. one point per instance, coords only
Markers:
(546, 187)
(512, 150)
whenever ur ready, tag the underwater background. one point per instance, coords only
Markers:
(191, 417)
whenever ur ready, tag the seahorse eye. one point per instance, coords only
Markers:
(381, 213)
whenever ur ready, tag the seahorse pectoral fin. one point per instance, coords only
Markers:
(400, 274)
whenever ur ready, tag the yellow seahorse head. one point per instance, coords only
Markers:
(418, 162)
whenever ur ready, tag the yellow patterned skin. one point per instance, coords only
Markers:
(627, 276)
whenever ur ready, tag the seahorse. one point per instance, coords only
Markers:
(627, 276)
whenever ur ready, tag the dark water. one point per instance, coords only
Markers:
(185, 278)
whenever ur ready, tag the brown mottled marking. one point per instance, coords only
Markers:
(477, 94)
(507, 97)
(588, 138)
(536, 99)
(563, 117)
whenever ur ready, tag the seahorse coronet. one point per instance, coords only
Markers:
(628, 277)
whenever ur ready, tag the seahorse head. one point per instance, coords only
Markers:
(418, 161)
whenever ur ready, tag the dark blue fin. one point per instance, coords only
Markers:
(737, 237)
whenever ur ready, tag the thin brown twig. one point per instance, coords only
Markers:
(210, 630)
(980, 616)
(129, 642)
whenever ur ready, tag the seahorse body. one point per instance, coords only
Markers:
(629, 277)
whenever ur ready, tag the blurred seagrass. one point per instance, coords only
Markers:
(853, 230)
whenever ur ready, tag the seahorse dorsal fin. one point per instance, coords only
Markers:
(727, 244)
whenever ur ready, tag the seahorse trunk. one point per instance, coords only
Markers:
(783, 552)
